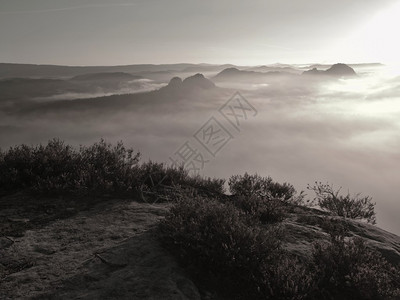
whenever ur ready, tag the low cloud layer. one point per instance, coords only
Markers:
(130, 87)
(345, 131)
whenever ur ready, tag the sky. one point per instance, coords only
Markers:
(90, 32)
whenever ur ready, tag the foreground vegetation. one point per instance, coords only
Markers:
(238, 245)
(99, 170)
(232, 244)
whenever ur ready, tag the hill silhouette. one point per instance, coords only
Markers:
(189, 85)
(336, 70)
(341, 70)
(194, 87)
(197, 81)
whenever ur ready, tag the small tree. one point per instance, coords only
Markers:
(354, 207)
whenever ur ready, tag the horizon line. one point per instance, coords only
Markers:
(189, 63)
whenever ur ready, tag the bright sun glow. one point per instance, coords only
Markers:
(375, 41)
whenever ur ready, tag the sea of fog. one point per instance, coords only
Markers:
(345, 132)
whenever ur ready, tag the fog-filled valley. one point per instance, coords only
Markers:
(319, 125)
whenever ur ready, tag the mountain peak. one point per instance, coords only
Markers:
(176, 81)
(341, 70)
(198, 81)
(228, 72)
(336, 70)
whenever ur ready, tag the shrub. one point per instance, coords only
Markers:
(347, 269)
(223, 243)
(354, 207)
(264, 209)
(153, 174)
(46, 168)
(291, 278)
(107, 169)
(208, 186)
(59, 169)
(157, 176)
(255, 185)
(100, 169)
(262, 197)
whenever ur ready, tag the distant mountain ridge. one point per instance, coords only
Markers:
(121, 76)
(274, 68)
(192, 87)
(8, 70)
(248, 75)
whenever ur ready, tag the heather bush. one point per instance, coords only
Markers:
(262, 208)
(153, 174)
(290, 278)
(107, 169)
(42, 168)
(57, 168)
(258, 186)
(346, 268)
(223, 243)
(353, 207)
(242, 258)
(262, 197)
(101, 169)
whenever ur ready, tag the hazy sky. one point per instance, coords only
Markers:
(90, 32)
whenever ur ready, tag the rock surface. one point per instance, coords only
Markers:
(108, 252)
(111, 251)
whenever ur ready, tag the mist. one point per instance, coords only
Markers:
(307, 129)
